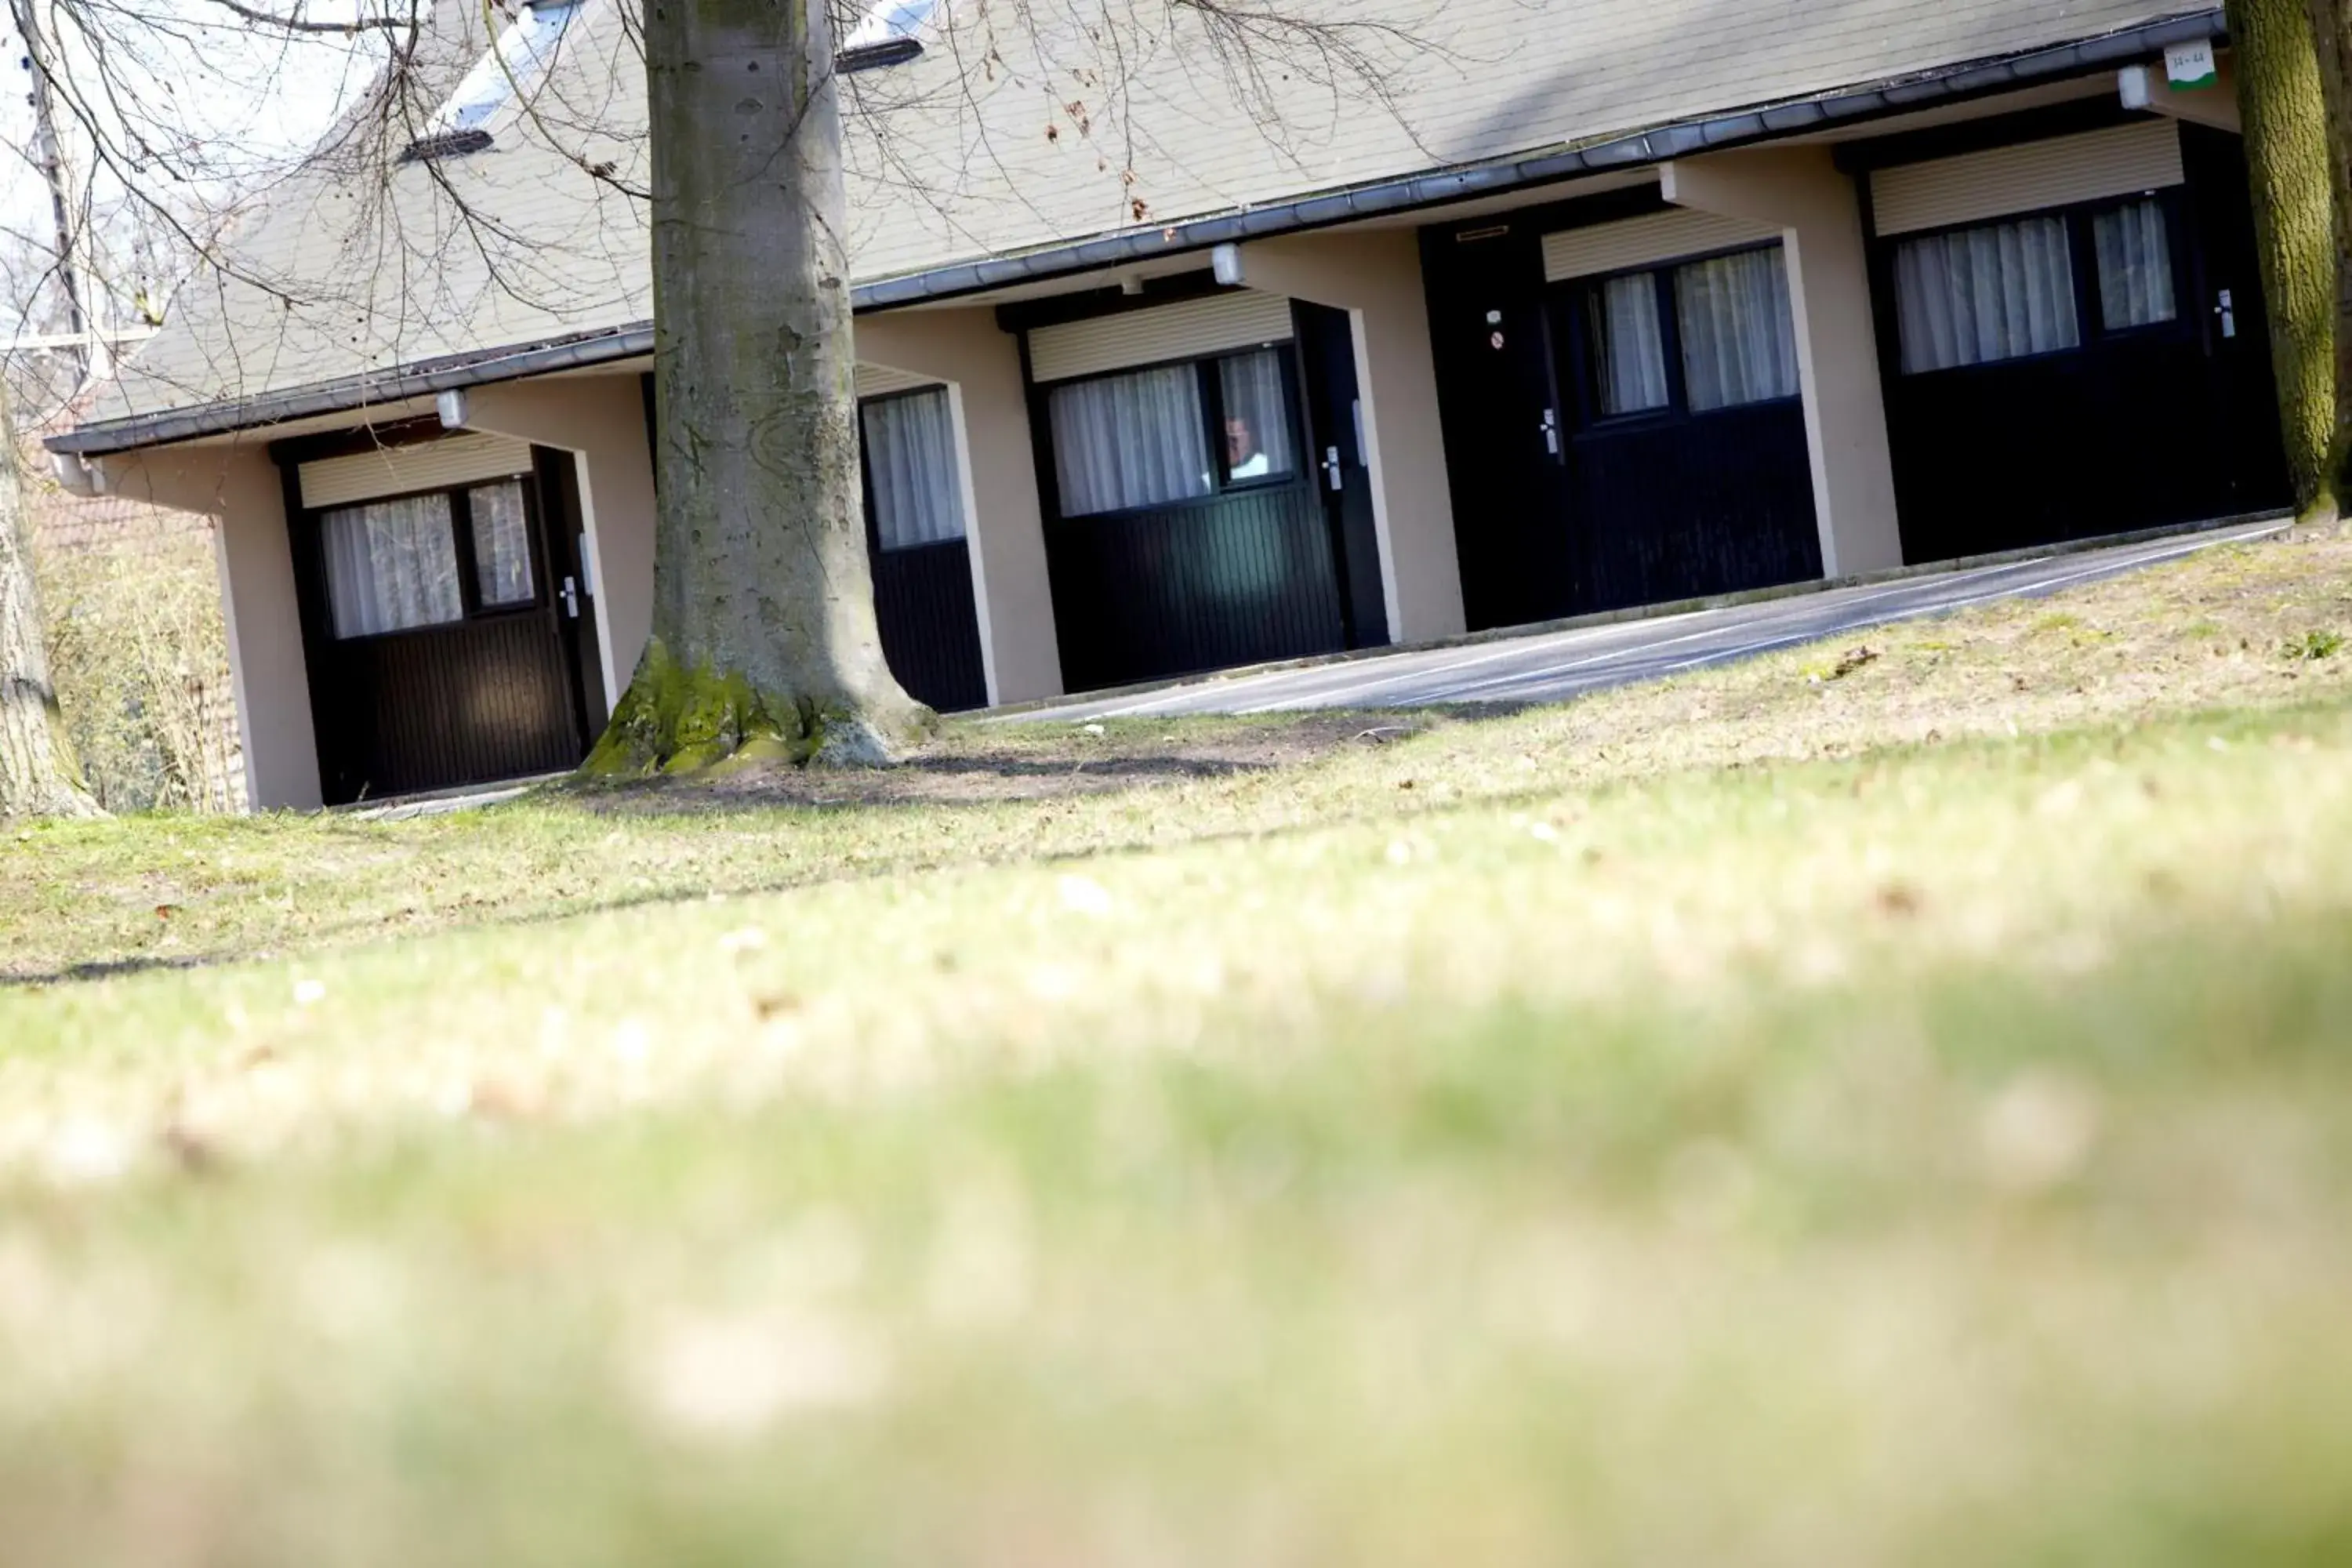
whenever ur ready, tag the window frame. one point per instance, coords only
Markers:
(2177, 257)
(866, 476)
(1210, 382)
(1583, 293)
(472, 609)
(2091, 329)
(1212, 406)
(1590, 308)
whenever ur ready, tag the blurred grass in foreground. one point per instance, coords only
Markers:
(1820, 1111)
(1936, 1157)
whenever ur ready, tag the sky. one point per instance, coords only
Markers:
(232, 103)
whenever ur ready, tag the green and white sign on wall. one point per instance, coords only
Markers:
(2192, 65)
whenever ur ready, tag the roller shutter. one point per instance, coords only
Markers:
(876, 381)
(1240, 320)
(2123, 160)
(1646, 241)
(403, 470)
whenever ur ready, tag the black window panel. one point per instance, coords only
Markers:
(1240, 571)
(1179, 466)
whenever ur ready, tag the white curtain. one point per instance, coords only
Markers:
(501, 544)
(1258, 418)
(910, 458)
(1129, 441)
(1739, 345)
(1629, 349)
(2135, 266)
(392, 564)
(1983, 294)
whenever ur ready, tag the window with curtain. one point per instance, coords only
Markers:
(2135, 253)
(1258, 446)
(1998, 292)
(1629, 350)
(1128, 441)
(392, 565)
(502, 575)
(910, 462)
(1739, 343)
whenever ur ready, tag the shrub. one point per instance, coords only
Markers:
(138, 652)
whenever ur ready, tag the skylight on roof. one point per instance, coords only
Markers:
(516, 65)
(886, 36)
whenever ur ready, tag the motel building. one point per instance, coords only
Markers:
(1595, 306)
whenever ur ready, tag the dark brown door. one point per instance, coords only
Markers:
(439, 641)
(1335, 418)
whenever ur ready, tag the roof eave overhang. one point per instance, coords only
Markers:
(1439, 188)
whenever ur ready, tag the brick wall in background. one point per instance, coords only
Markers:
(137, 648)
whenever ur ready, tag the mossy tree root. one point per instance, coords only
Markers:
(677, 719)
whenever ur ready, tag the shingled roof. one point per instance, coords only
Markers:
(993, 145)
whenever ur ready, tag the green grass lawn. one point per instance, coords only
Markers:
(1781, 1116)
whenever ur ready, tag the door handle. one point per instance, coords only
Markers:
(1332, 471)
(571, 598)
(1551, 431)
(2228, 310)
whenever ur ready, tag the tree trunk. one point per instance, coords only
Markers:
(38, 774)
(2284, 112)
(765, 645)
(2331, 30)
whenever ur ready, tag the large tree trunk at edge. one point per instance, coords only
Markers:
(39, 773)
(2331, 30)
(2285, 114)
(765, 645)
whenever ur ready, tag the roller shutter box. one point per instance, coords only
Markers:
(875, 381)
(404, 470)
(1243, 319)
(1644, 242)
(2124, 160)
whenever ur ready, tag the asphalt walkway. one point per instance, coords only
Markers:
(1551, 666)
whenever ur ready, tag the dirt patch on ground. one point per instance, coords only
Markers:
(973, 763)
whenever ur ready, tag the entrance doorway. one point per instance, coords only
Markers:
(1623, 426)
(1335, 420)
(1185, 478)
(1686, 468)
(442, 621)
